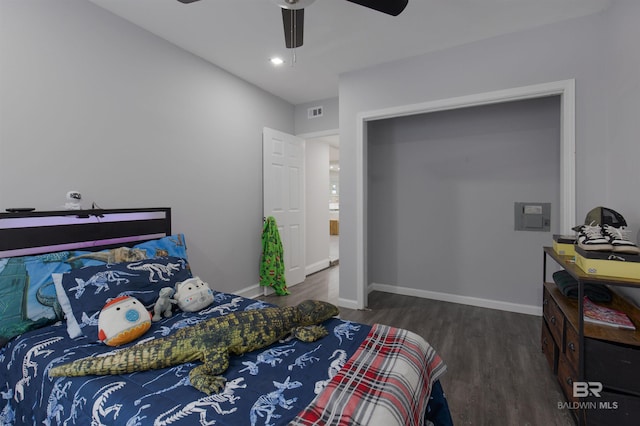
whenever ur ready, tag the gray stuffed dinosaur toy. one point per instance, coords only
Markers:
(163, 304)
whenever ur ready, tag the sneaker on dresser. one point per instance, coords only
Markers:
(619, 240)
(590, 237)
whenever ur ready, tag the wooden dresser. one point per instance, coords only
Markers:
(592, 356)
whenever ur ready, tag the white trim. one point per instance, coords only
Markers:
(361, 235)
(568, 158)
(319, 134)
(564, 88)
(456, 298)
(251, 292)
(348, 303)
(318, 266)
(254, 291)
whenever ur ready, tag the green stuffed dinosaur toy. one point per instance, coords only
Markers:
(211, 342)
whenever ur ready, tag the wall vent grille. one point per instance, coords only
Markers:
(314, 112)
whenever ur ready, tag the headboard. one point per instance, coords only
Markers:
(27, 233)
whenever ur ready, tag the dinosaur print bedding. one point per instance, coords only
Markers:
(269, 386)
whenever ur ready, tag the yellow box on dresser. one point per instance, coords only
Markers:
(564, 245)
(609, 264)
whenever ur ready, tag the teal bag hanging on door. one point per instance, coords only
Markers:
(272, 262)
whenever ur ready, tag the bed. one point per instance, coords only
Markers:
(57, 269)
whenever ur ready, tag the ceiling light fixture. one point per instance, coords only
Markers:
(276, 61)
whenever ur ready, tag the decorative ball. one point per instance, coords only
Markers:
(122, 320)
(193, 295)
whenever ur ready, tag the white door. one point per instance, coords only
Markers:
(283, 196)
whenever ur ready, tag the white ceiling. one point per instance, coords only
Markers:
(241, 35)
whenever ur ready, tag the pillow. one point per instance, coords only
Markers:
(122, 320)
(28, 297)
(27, 294)
(83, 292)
(193, 295)
(172, 245)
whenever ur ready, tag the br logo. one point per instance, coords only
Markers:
(584, 389)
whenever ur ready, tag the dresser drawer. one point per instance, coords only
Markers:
(566, 377)
(553, 316)
(615, 365)
(549, 348)
(613, 409)
(572, 346)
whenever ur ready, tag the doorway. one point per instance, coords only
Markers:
(334, 202)
(565, 89)
(322, 188)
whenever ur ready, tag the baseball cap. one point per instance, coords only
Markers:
(605, 216)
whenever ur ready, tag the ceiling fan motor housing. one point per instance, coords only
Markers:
(293, 4)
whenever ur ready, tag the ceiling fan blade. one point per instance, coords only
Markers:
(390, 7)
(187, 1)
(293, 22)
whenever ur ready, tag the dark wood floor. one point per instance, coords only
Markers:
(496, 373)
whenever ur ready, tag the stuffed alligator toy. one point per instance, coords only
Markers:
(211, 342)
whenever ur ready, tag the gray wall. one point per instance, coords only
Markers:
(598, 51)
(622, 153)
(90, 102)
(441, 189)
(623, 108)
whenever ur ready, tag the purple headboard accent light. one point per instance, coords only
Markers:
(45, 232)
(89, 245)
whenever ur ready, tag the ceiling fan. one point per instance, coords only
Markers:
(293, 15)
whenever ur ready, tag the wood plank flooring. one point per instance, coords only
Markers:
(496, 372)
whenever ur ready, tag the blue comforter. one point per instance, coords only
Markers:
(264, 387)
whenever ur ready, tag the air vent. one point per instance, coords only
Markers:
(314, 112)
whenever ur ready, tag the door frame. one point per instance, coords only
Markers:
(564, 88)
(315, 135)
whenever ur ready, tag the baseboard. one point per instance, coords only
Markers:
(456, 298)
(251, 292)
(317, 266)
(348, 303)
(256, 290)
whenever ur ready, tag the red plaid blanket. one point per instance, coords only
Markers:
(386, 382)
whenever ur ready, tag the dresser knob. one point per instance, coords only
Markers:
(569, 381)
(572, 347)
(553, 320)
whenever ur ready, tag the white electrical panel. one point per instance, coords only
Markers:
(532, 217)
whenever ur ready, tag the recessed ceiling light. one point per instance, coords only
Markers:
(276, 61)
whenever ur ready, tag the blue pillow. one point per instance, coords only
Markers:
(83, 292)
(27, 294)
(28, 297)
(173, 245)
